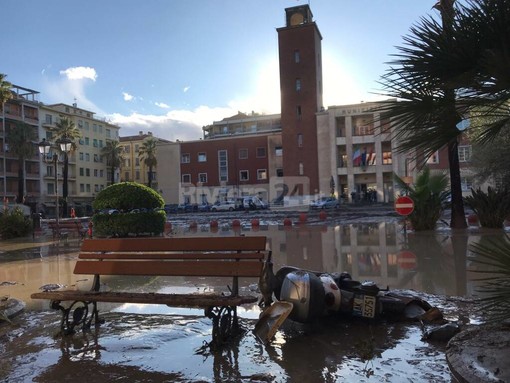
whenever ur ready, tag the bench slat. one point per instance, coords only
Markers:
(226, 256)
(169, 268)
(257, 243)
(177, 300)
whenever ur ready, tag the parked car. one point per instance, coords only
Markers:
(109, 211)
(171, 208)
(325, 203)
(223, 206)
(187, 207)
(250, 203)
(204, 207)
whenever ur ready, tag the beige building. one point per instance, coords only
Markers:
(134, 169)
(354, 152)
(88, 173)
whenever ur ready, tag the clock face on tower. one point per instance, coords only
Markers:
(297, 19)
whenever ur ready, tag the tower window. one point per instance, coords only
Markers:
(301, 169)
(300, 140)
(297, 56)
(298, 112)
(298, 84)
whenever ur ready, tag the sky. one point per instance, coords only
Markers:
(173, 66)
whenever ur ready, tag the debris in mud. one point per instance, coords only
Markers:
(52, 287)
(8, 283)
(442, 333)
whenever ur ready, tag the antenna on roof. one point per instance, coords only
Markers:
(75, 104)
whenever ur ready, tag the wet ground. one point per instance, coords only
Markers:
(159, 344)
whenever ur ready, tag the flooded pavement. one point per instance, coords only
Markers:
(147, 343)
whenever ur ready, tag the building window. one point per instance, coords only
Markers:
(126, 176)
(278, 151)
(434, 158)
(48, 119)
(82, 188)
(51, 189)
(202, 157)
(108, 133)
(186, 178)
(243, 154)
(202, 177)
(96, 158)
(261, 152)
(300, 140)
(87, 141)
(185, 158)
(81, 156)
(223, 165)
(387, 160)
(298, 84)
(137, 161)
(88, 188)
(137, 175)
(466, 183)
(297, 56)
(87, 172)
(87, 157)
(298, 112)
(261, 174)
(127, 149)
(301, 169)
(279, 172)
(96, 173)
(244, 175)
(94, 142)
(464, 153)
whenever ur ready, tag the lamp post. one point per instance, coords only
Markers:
(44, 149)
(65, 146)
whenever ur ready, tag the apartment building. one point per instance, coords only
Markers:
(22, 108)
(88, 172)
(134, 168)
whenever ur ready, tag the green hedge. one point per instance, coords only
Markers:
(14, 224)
(124, 197)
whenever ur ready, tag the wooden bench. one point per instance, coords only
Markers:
(65, 227)
(230, 257)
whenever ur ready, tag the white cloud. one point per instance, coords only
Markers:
(79, 73)
(127, 96)
(181, 125)
(186, 88)
(70, 87)
(162, 105)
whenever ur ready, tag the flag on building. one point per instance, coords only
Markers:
(356, 157)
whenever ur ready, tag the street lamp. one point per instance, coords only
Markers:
(65, 146)
(44, 149)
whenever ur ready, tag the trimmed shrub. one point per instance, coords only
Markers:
(124, 197)
(14, 224)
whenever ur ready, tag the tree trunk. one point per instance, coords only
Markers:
(458, 216)
(21, 183)
(64, 186)
(112, 176)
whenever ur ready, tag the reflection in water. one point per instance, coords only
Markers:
(155, 347)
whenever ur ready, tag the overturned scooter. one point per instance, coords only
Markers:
(305, 296)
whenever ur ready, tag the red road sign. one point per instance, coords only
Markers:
(404, 205)
(406, 260)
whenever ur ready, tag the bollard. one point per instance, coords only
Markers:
(287, 222)
(236, 223)
(255, 224)
(323, 215)
(302, 217)
(89, 230)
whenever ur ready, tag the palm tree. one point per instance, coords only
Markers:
(147, 153)
(5, 95)
(5, 89)
(21, 143)
(114, 156)
(65, 129)
(429, 194)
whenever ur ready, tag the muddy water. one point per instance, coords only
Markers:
(145, 344)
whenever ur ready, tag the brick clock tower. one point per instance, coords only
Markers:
(299, 44)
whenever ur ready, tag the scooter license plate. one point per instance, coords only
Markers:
(364, 306)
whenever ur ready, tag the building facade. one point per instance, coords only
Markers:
(88, 172)
(22, 108)
(300, 58)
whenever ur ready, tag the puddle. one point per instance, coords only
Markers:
(148, 343)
